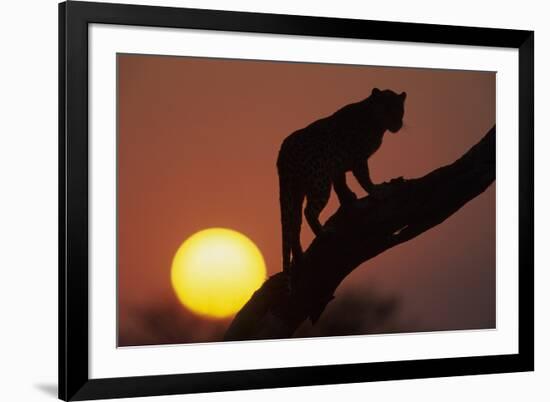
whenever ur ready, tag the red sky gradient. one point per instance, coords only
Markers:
(197, 144)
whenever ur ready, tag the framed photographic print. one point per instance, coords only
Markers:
(257, 200)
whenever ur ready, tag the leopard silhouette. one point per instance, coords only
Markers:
(315, 158)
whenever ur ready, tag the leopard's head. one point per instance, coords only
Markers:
(389, 108)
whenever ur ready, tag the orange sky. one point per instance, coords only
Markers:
(197, 144)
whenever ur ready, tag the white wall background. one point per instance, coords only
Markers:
(28, 200)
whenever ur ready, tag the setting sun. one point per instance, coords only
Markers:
(215, 271)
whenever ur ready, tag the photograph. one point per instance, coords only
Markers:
(261, 199)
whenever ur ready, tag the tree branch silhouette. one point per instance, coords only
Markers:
(397, 212)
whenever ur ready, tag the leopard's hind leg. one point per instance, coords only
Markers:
(317, 196)
(291, 201)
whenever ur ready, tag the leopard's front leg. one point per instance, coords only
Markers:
(362, 174)
(344, 193)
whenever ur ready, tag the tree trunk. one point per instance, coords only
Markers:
(398, 211)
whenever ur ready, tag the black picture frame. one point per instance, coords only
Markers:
(74, 380)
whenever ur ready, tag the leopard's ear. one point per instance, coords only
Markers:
(375, 91)
(403, 96)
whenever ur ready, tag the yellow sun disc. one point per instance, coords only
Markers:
(215, 271)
